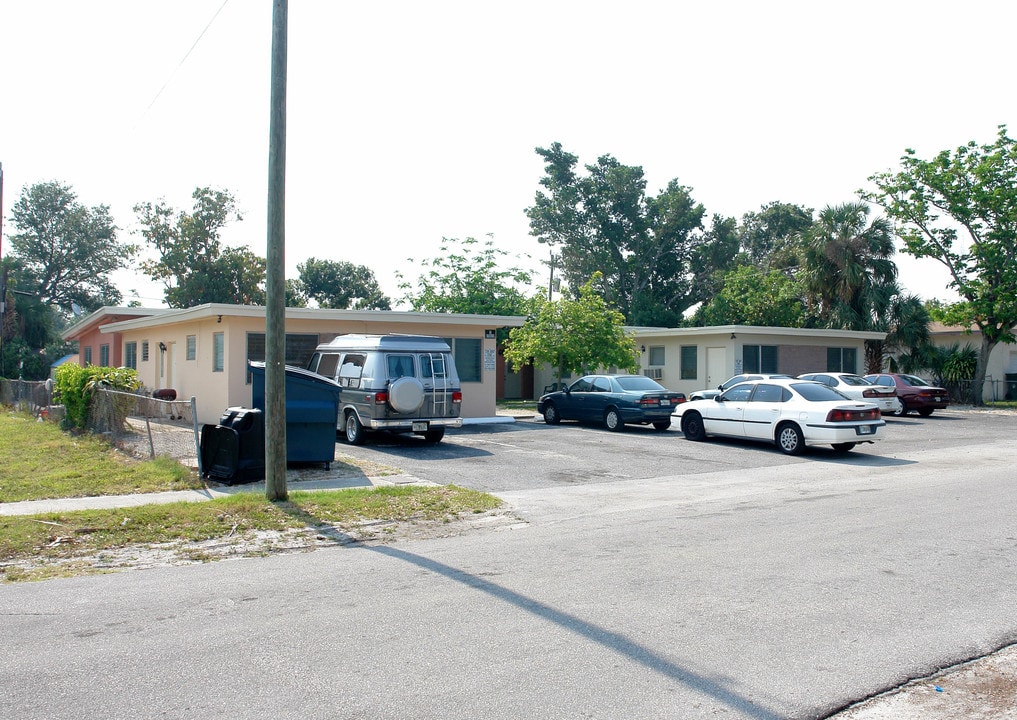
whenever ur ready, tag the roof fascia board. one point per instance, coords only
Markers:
(214, 310)
(754, 330)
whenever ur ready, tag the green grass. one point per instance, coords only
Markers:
(38, 460)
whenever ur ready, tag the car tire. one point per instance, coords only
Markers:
(661, 425)
(354, 430)
(692, 426)
(790, 439)
(842, 448)
(434, 436)
(551, 416)
(925, 412)
(613, 420)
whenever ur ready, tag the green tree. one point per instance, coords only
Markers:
(960, 209)
(643, 245)
(468, 276)
(341, 285)
(848, 267)
(753, 296)
(194, 265)
(905, 321)
(770, 238)
(66, 252)
(573, 336)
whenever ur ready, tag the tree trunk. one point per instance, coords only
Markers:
(978, 385)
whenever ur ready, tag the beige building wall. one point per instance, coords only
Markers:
(1001, 364)
(216, 390)
(798, 351)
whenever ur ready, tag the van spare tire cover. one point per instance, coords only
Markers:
(406, 395)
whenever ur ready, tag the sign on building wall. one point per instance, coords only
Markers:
(489, 359)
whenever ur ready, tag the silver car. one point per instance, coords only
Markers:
(731, 382)
(858, 388)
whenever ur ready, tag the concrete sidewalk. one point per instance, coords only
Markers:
(302, 479)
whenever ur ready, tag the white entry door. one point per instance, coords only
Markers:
(716, 366)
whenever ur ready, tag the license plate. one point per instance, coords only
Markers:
(419, 427)
(865, 429)
(665, 401)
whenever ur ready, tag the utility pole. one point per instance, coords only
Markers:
(275, 276)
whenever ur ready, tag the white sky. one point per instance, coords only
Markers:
(410, 121)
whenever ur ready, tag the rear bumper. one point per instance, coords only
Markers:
(407, 423)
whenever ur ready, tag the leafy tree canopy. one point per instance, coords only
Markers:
(193, 265)
(770, 238)
(65, 251)
(960, 209)
(341, 285)
(468, 276)
(754, 296)
(643, 245)
(573, 336)
(847, 266)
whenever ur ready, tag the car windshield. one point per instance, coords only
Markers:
(854, 380)
(913, 381)
(815, 392)
(638, 383)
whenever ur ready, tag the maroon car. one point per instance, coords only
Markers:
(915, 394)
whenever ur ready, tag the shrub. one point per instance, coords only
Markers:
(74, 386)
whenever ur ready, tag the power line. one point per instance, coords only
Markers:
(179, 65)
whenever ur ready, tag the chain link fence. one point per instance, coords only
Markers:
(31, 396)
(144, 426)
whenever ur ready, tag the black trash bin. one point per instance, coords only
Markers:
(234, 450)
(312, 408)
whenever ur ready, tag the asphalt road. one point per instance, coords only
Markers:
(647, 577)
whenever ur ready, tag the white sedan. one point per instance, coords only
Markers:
(790, 413)
(858, 388)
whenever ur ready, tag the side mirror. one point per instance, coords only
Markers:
(718, 398)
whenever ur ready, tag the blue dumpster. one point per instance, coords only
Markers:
(312, 407)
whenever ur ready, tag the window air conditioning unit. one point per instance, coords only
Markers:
(654, 373)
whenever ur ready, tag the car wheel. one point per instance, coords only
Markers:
(613, 420)
(662, 425)
(843, 447)
(692, 426)
(901, 410)
(434, 436)
(925, 412)
(355, 434)
(551, 416)
(790, 440)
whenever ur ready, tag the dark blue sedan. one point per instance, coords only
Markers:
(613, 400)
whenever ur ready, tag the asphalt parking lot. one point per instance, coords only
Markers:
(528, 454)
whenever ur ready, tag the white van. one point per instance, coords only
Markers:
(398, 383)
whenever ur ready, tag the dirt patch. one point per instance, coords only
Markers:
(983, 689)
(258, 544)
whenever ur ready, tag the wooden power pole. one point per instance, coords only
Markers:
(275, 280)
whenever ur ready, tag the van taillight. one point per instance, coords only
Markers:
(380, 398)
(457, 396)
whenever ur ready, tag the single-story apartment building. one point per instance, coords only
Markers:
(1001, 370)
(202, 352)
(697, 358)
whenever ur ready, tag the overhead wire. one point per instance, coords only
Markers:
(180, 64)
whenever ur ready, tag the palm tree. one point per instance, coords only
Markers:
(850, 275)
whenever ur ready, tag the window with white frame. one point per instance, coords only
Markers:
(218, 352)
(656, 357)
